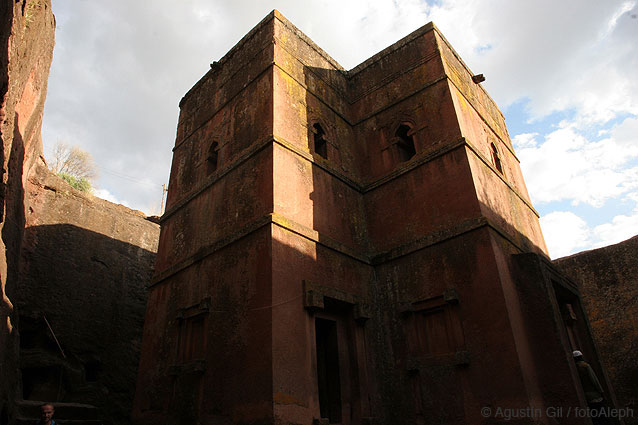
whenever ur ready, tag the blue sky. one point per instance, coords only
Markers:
(562, 72)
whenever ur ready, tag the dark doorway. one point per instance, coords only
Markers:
(92, 371)
(570, 311)
(42, 383)
(328, 378)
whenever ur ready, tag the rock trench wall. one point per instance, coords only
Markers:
(608, 280)
(85, 265)
(26, 40)
(71, 265)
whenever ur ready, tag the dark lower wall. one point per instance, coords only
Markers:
(68, 261)
(26, 48)
(608, 281)
(207, 347)
(85, 264)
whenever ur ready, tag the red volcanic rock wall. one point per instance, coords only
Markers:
(85, 266)
(78, 261)
(26, 47)
(608, 281)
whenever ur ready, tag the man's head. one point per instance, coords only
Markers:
(46, 413)
(577, 355)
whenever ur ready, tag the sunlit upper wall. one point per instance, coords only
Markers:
(221, 175)
(314, 160)
(500, 187)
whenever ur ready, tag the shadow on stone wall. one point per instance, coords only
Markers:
(608, 280)
(89, 290)
(425, 229)
(12, 225)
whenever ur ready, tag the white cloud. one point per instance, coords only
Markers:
(151, 208)
(625, 7)
(626, 134)
(578, 55)
(106, 195)
(565, 233)
(568, 166)
(525, 141)
(620, 228)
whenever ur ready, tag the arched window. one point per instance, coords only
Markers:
(405, 143)
(496, 158)
(320, 144)
(213, 157)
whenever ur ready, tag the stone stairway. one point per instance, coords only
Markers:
(28, 413)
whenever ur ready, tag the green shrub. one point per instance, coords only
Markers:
(80, 184)
(30, 10)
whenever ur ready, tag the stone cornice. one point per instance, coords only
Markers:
(367, 258)
(361, 187)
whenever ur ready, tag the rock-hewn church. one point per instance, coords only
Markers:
(352, 247)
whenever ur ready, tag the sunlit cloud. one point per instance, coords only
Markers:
(565, 233)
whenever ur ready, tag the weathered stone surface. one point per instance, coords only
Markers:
(608, 281)
(80, 262)
(353, 247)
(85, 266)
(26, 47)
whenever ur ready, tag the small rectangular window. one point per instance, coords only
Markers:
(405, 143)
(320, 144)
(191, 339)
(434, 329)
(212, 159)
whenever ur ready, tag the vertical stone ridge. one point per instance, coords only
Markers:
(26, 46)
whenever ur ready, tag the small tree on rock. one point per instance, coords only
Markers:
(75, 165)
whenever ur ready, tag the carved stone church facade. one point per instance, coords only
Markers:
(351, 247)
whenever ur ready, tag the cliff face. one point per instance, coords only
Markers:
(73, 268)
(84, 268)
(608, 279)
(26, 49)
